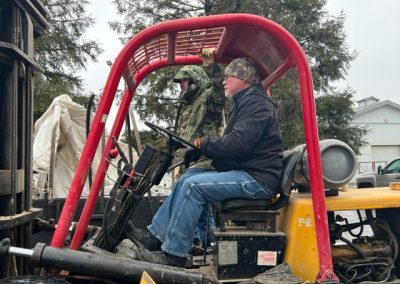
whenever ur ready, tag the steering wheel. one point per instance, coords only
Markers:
(169, 134)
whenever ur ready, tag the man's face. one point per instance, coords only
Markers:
(232, 85)
(184, 84)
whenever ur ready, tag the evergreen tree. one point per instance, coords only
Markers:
(62, 51)
(334, 115)
(321, 36)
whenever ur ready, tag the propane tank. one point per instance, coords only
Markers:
(338, 164)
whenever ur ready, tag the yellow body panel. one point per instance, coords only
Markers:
(146, 279)
(298, 223)
(394, 185)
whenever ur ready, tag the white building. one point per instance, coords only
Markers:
(383, 121)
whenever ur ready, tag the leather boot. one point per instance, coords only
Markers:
(160, 257)
(144, 237)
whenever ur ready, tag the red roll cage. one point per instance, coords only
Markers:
(178, 42)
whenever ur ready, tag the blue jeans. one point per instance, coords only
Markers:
(176, 220)
(206, 221)
(205, 227)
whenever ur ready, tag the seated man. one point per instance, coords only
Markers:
(248, 160)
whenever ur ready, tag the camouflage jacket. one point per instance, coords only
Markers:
(202, 105)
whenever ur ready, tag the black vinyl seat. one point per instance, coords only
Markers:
(258, 210)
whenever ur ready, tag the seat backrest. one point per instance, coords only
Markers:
(290, 158)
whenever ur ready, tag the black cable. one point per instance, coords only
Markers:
(387, 265)
(342, 277)
(361, 226)
(392, 238)
(348, 227)
(368, 271)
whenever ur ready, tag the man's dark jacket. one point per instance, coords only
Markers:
(252, 141)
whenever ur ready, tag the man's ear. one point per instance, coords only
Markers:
(246, 84)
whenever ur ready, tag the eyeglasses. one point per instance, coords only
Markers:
(226, 77)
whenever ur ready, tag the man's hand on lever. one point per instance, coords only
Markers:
(192, 154)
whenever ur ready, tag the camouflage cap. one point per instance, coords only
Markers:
(243, 68)
(193, 72)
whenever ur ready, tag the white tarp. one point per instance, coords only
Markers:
(65, 120)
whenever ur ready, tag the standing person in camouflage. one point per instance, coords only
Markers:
(247, 158)
(202, 102)
(201, 116)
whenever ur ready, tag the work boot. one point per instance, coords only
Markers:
(159, 257)
(144, 237)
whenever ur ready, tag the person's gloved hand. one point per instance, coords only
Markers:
(191, 155)
(207, 55)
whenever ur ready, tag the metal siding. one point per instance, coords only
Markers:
(385, 153)
(384, 133)
(385, 114)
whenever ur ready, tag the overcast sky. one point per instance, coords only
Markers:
(372, 28)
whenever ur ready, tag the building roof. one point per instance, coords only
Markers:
(371, 107)
(369, 99)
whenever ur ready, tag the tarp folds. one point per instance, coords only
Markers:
(62, 127)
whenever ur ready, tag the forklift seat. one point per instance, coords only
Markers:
(258, 210)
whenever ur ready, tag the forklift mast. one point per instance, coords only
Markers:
(179, 42)
(21, 22)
